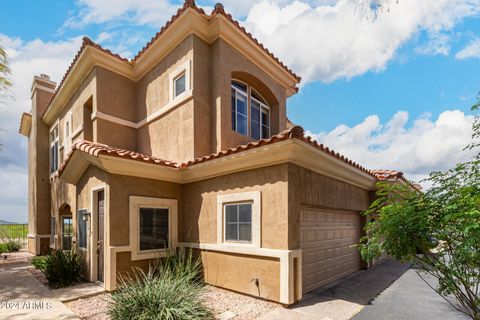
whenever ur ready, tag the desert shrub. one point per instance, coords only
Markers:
(10, 246)
(13, 245)
(40, 262)
(62, 268)
(171, 290)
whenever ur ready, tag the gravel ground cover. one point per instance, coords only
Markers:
(219, 300)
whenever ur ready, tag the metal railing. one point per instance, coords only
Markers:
(16, 232)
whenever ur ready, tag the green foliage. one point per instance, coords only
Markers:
(438, 230)
(40, 262)
(4, 71)
(10, 246)
(63, 268)
(171, 290)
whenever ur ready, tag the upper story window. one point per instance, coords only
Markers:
(250, 112)
(54, 149)
(180, 84)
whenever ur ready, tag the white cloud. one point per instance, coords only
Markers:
(426, 146)
(438, 44)
(333, 42)
(151, 12)
(26, 60)
(472, 50)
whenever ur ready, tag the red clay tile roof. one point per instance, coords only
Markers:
(383, 175)
(187, 4)
(86, 42)
(96, 149)
(216, 11)
(296, 132)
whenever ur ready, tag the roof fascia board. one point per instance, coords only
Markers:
(191, 22)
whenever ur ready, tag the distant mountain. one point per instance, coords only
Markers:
(6, 222)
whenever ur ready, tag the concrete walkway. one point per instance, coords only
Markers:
(24, 297)
(344, 298)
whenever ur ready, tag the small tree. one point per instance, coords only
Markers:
(438, 230)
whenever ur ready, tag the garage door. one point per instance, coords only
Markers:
(326, 238)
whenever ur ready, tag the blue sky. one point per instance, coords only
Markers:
(390, 89)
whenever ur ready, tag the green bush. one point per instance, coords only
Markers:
(40, 262)
(171, 290)
(62, 268)
(10, 246)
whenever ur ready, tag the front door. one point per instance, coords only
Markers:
(100, 210)
(67, 232)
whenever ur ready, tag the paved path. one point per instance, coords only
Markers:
(410, 298)
(388, 291)
(24, 297)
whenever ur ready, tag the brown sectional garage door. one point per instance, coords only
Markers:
(326, 239)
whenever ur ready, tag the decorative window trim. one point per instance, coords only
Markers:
(254, 198)
(56, 140)
(135, 204)
(184, 68)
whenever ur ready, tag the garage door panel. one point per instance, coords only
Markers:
(327, 239)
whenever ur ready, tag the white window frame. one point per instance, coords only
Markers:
(185, 68)
(262, 106)
(248, 95)
(136, 203)
(253, 198)
(52, 143)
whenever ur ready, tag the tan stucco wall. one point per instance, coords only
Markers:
(121, 188)
(116, 96)
(312, 189)
(236, 272)
(171, 135)
(200, 205)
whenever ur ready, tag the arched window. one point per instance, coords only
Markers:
(250, 112)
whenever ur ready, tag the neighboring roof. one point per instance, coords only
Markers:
(25, 124)
(296, 132)
(188, 4)
(383, 175)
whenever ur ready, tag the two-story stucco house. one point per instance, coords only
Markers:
(188, 145)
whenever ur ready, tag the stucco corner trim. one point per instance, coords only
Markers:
(135, 204)
(255, 197)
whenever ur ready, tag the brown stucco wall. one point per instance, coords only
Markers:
(236, 272)
(38, 170)
(200, 205)
(306, 187)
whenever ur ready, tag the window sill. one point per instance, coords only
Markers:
(151, 254)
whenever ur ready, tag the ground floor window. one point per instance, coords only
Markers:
(153, 228)
(67, 232)
(239, 218)
(238, 222)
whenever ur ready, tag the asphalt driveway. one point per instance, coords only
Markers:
(410, 298)
(388, 291)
